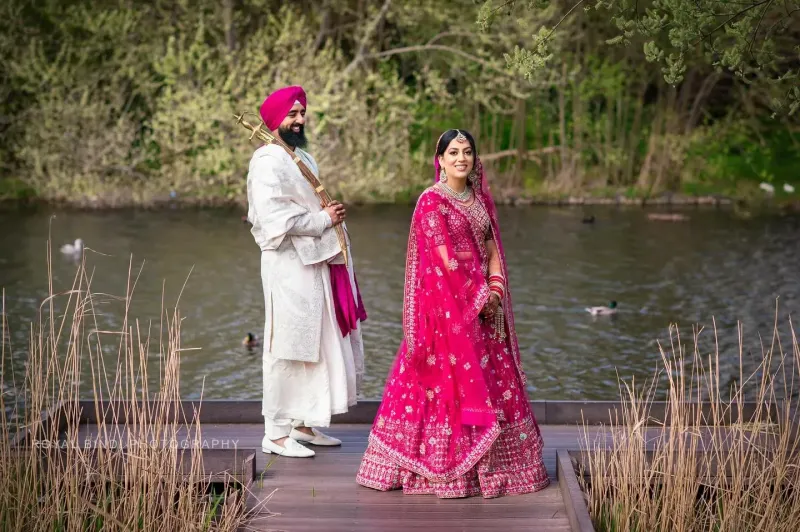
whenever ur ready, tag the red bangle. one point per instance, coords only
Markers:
(497, 290)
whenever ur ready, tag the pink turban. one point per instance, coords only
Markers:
(279, 103)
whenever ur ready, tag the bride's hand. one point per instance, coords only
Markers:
(491, 306)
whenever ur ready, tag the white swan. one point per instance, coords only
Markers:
(73, 250)
(768, 188)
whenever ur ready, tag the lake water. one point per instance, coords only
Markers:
(712, 266)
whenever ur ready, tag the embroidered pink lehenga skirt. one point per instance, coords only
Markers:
(501, 461)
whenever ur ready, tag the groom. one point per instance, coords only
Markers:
(313, 358)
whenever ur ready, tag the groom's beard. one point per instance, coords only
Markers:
(294, 140)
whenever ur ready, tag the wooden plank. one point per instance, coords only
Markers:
(355, 493)
(251, 434)
(716, 463)
(216, 411)
(572, 494)
(53, 422)
(353, 524)
(218, 465)
(602, 412)
(342, 508)
(547, 412)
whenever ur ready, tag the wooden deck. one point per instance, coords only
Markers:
(320, 493)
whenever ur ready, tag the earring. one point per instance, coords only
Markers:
(471, 177)
(442, 176)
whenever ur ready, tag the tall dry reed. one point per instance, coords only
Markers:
(143, 467)
(727, 466)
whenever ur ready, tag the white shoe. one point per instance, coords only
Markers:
(317, 439)
(290, 448)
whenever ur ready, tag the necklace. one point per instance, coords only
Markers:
(463, 196)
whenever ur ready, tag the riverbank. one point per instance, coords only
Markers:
(787, 204)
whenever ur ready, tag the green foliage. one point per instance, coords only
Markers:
(116, 121)
(113, 103)
(734, 156)
(527, 61)
(16, 190)
(755, 39)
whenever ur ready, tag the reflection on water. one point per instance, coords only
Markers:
(713, 266)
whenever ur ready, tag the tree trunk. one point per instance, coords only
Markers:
(635, 132)
(227, 20)
(476, 122)
(562, 116)
(664, 154)
(324, 26)
(619, 134)
(644, 182)
(609, 139)
(520, 121)
(577, 120)
(551, 163)
(705, 89)
(495, 132)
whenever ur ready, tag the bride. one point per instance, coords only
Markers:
(455, 420)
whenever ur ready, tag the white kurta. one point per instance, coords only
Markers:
(310, 371)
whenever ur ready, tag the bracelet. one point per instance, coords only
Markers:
(497, 279)
(498, 290)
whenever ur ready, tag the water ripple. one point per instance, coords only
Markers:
(713, 266)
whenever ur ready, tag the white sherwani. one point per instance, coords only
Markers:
(310, 371)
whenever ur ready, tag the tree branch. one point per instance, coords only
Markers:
(573, 8)
(498, 8)
(529, 154)
(362, 47)
(728, 21)
(323, 26)
(449, 34)
(441, 48)
(755, 30)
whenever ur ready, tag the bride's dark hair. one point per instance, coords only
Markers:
(448, 136)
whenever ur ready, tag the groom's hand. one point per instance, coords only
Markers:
(336, 211)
